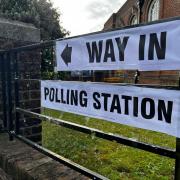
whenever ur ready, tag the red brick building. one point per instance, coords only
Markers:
(141, 11)
(150, 10)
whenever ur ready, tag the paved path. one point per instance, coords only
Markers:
(24, 163)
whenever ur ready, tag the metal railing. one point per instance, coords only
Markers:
(9, 57)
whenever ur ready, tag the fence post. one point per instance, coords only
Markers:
(9, 95)
(177, 164)
(16, 93)
(3, 86)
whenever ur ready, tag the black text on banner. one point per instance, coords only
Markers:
(146, 108)
(150, 47)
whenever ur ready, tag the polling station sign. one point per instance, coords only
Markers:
(146, 48)
(147, 108)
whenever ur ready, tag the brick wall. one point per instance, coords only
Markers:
(21, 162)
(15, 34)
(168, 8)
(111, 22)
(29, 63)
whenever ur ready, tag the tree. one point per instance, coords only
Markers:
(41, 13)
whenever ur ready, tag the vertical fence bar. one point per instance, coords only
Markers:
(177, 164)
(16, 79)
(9, 95)
(3, 84)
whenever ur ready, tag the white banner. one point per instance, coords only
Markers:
(147, 108)
(151, 47)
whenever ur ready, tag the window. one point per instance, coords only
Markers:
(153, 13)
(134, 20)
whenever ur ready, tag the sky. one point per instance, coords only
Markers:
(85, 16)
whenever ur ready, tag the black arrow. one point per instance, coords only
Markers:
(66, 54)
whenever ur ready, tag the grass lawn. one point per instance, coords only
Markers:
(110, 159)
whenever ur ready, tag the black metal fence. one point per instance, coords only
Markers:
(10, 79)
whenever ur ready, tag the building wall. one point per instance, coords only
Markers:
(15, 34)
(168, 8)
(111, 22)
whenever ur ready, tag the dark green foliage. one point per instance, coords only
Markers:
(47, 66)
(23, 10)
(38, 12)
(47, 75)
(41, 14)
(49, 21)
(47, 60)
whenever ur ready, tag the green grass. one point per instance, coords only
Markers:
(110, 159)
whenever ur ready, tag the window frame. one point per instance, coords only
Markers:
(134, 18)
(152, 5)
